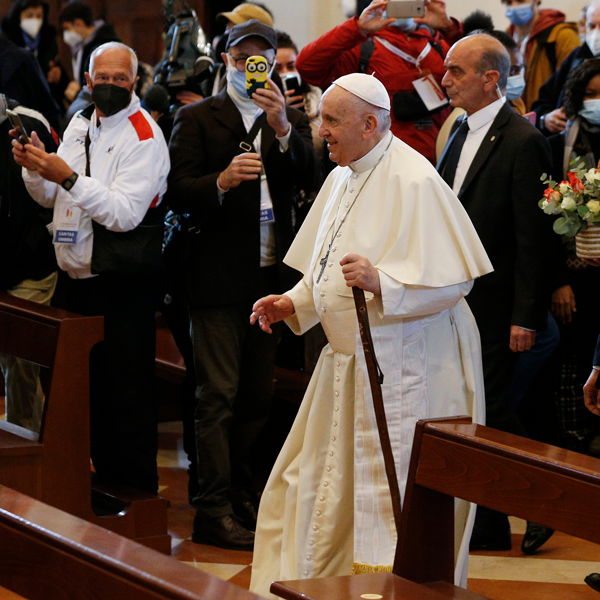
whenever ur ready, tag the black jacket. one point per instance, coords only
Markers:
(21, 78)
(500, 194)
(25, 244)
(225, 255)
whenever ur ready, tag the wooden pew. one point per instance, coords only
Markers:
(453, 458)
(54, 465)
(47, 554)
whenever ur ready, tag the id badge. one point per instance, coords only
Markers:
(66, 224)
(266, 205)
(430, 92)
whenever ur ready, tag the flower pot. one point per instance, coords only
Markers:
(587, 243)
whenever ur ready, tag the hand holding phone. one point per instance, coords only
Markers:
(17, 124)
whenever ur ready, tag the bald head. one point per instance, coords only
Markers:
(477, 66)
(351, 126)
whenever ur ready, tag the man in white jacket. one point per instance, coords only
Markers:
(106, 183)
(386, 222)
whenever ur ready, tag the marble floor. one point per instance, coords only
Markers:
(555, 572)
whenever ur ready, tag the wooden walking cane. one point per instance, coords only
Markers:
(376, 379)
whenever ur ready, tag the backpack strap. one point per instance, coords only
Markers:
(366, 50)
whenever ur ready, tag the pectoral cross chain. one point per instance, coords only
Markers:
(323, 263)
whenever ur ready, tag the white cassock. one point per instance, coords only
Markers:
(326, 509)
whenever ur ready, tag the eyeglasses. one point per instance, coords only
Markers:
(240, 63)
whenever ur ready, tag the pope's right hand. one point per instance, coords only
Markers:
(271, 309)
(243, 167)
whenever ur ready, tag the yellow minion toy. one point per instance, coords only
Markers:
(257, 69)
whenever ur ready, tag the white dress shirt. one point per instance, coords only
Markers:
(479, 124)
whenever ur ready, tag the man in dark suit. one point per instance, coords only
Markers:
(240, 202)
(494, 162)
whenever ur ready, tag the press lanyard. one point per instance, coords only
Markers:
(407, 57)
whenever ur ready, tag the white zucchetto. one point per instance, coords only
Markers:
(366, 87)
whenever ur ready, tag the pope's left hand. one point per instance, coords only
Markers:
(50, 166)
(359, 272)
(273, 103)
(436, 15)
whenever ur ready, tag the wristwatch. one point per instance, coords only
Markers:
(543, 122)
(70, 181)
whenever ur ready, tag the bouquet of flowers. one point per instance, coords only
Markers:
(575, 200)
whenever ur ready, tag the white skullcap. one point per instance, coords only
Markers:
(366, 87)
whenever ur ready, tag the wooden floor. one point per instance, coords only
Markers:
(555, 572)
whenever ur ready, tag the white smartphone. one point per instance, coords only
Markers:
(405, 8)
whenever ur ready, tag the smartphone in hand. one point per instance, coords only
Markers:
(256, 74)
(17, 124)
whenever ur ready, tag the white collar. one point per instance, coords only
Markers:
(370, 159)
(107, 123)
(485, 115)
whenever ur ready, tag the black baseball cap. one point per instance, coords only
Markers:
(252, 28)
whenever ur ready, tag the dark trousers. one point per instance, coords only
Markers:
(234, 365)
(123, 414)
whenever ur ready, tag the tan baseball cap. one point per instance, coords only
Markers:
(244, 12)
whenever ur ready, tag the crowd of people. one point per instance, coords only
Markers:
(402, 156)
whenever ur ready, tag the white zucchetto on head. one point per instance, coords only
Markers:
(366, 87)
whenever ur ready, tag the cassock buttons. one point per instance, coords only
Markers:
(306, 572)
(335, 423)
(322, 294)
(351, 190)
(323, 309)
(336, 408)
(333, 249)
(328, 469)
(355, 176)
(326, 279)
(331, 453)
(337, 378)
(337, 364)
(325, 484)
(311, 543)
(322, 499)
(315, 528)
(330, 264)
(337, 393)
(318, 513)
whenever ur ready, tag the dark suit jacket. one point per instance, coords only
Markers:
(225, 255)
(501, 193)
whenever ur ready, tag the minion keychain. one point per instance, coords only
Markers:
(256, 74)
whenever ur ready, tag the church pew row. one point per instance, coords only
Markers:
(54, 465)
(453, 458)
(48, 554)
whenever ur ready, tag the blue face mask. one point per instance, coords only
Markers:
(591, 111)
(520, 15)
(515, 86)
(237, 80)
(404, 24)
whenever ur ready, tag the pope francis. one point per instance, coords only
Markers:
(386, 222)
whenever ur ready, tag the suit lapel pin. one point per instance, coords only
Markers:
(493, 138)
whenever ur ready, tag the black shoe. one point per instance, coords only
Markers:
(593, 580)
(224, 532)
(535, 537)
(246, 513)
(490, 539)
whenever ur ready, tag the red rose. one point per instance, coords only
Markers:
(575, 182)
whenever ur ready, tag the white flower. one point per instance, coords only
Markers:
(594, 206)
(564, 187)
(592, 175)
(568, 204)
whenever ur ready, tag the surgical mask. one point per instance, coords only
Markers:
(404, 24)
(520, 15)
(110, 98)
(72, 38)
(515, 86)
(591, 111)
(582, 37)
(592, 39)
(237, 80)
(31, 27)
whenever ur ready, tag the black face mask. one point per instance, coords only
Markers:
(110, 98)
